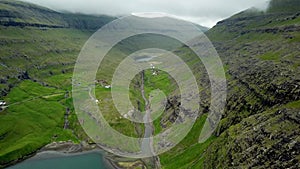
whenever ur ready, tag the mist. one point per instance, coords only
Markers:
(203, 12)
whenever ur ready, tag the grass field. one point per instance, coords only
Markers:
(188, 153)
(34, 117)
(37, 106)
(261, 54)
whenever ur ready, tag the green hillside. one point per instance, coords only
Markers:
(37, 55)
(261, 124)
(17, 13)
(287, 6)
(260, 51)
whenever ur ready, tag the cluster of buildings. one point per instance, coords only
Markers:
(154, 72)
(103, 83)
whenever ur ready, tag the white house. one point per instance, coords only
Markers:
(2, 103)
(107, 86)
(152, 66)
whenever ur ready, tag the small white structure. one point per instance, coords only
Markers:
(97, 101)
(107, 86)
(152, 66)
(154, 73)
(2, 103)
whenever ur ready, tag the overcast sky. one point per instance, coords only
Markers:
(203, 12)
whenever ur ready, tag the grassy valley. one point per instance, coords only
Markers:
(260, 127)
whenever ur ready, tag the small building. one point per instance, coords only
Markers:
(107, 86)
(101, 82)
(152, 66)
(2, 103)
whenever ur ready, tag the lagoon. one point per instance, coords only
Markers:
(55, 160)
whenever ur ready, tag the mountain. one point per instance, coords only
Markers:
(261, 125)
(17, 13)
(260, 52)
(279, 6)
(28, 28)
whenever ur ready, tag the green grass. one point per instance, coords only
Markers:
(26, 13)
(270, 56)
(34, 116)
(36, 112)
(44, 54)
(163, 82)
(135, 94)
(111, 114)
(62, 81)
(280, 6)
(294, 105)
(188, 152)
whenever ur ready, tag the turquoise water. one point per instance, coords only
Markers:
(93, 160)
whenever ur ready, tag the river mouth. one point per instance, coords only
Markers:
(55, 160)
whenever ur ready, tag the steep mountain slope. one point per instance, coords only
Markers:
(287, 6)
(261, 125)
(260, 51)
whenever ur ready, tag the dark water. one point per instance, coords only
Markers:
(144, 58)
(91, 160)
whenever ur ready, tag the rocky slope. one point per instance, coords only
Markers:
(260, 51)
(261, 125)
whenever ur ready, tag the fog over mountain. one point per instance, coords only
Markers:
(203, 12)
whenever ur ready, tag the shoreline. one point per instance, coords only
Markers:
(56, 154)
(65, 149)
(68, 149)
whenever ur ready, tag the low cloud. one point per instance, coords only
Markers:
(203, 12)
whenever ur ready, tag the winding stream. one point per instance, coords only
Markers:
(147, 143)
